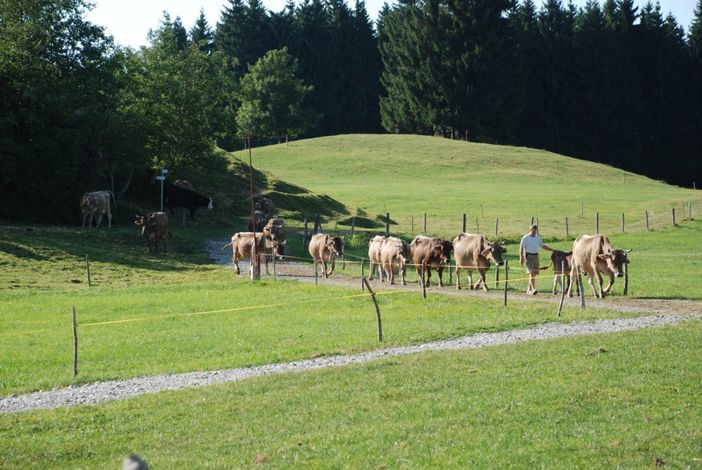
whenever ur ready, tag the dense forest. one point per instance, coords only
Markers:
(608, 82)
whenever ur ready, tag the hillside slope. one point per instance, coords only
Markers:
(408, 175)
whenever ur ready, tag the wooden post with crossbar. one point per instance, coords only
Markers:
(75, 343)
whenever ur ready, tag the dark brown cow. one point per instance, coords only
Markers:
(374, 248)
(431, 252)
(595, 255)
(561, 262)
(242, 244)
(324, 249)
(98, 203)
(474, 252)
(394, 255)
(154, 227)
(88, 207)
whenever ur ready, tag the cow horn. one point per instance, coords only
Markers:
(628, 250)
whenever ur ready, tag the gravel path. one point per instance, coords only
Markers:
(119, 389)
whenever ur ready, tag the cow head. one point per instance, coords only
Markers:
(494, 252)
(446, 249)
(329, 245)
(139, 220)
(616, 259)
(338, 245)
(437, 252)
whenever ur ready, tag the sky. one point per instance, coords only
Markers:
(129, 21)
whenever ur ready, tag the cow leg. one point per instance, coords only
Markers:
(266, 258)
(109, 216)
(590, 280)
(235, 260)
(165, 244)
(470, 279)
(390, 273)
(610, 284)
(404, 274)
(99, 220)
(458, 277)
(440, 273)
(599, 284)
(482, 279)
(324, 268)
(428, 283)
(333, 266)
(555, 280)
(370, 276)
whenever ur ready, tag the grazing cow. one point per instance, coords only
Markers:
(374, 247)
(175, 196)
(595, 255)
(324, 249)
(88, 206)
(185, 184)
(97, 203)
(242, 244)
(275, 230)
(265, 210)
(154, 227)
(561, 261)
(429, 251)
(394, 254)
(474, 252)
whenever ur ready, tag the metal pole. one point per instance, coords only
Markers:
(579, 281)
(506, 279)
(560, 304)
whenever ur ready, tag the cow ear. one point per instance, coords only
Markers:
(486, 251)
(604, 256)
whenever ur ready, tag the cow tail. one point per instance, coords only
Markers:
(544, 268)
(227, 245)
(114, 200)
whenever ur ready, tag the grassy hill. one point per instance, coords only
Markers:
(408, 175)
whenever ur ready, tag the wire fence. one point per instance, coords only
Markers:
(493, 224)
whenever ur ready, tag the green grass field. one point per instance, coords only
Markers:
(408, 175)
(606, 401)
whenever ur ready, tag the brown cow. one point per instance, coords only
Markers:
(184, 184)
(88, 207)
(474, 252)
(242, 244)
(275, 230)
(394, 254)
(429, 251)
(154, 227)
(374, 247)
(324, 249)
(561, 262)
(595, 255)
(102, 200)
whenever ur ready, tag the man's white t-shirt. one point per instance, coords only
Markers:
(531, 244)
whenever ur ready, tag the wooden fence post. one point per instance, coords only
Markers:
(275, 255)
(423, 282)
(316, 273)
(497, 276)
(648, 228)
(377, 309)
(532, 220)
(387, 224)
(425, 223)
(87, 269)
(566, 226)
(353, 225)
(560, 304)
(622, 222)
(597, 222)
(75, 343)
(579, 280)
(464, 223)
(482, 214)
(363, 268)
(626, 278)
(689, 210)
(673, 212)
(317, 224)
(497, 225)
(412, 225)
(506, 279)
(305, 234)
(477, 226)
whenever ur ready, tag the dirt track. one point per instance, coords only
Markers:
(303, 272)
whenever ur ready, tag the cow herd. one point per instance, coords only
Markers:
(592, 255)
(153, 225)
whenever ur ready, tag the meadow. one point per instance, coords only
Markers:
(407, 175)
(610, 400)
(601, 401)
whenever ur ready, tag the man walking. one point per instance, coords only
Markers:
(529, 253)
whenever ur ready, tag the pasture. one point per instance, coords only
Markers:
(602, 401)
(408, 175)
(598, 402)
